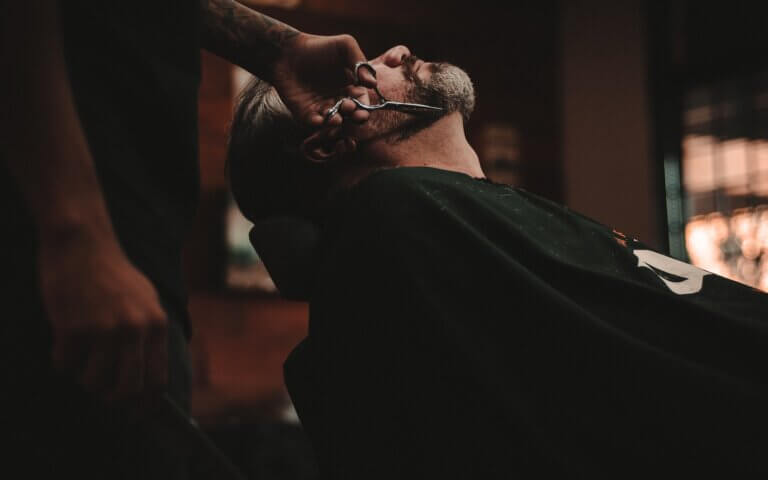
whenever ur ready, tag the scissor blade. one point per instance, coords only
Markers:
(411, 107)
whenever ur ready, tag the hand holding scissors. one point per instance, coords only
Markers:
(413, 108)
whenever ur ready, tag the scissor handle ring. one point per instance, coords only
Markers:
(332, 111)
(366, 65)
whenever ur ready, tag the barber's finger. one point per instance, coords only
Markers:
(355, 55)
(350, 110)
(130, 370)
(335, 120)
(355, 91)
(347, 107)
(360, 116)
(325, 116)
(99, 375)
(316, 119)
(156, 357)
(360, 93)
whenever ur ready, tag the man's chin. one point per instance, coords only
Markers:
(450, 88)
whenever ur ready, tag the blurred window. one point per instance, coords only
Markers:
(717, 199)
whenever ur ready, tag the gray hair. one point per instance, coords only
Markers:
(267, 173)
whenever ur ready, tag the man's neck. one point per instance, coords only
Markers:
(442, 145)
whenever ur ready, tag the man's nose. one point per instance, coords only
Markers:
(393, 57)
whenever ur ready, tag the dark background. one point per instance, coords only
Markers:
(592, 91)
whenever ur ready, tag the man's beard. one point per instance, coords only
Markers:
(448, 87)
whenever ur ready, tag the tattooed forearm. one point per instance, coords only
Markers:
(243, 36)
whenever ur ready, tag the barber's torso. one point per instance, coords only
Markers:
(134, 68)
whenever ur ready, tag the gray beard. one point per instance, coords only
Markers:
(449, 88)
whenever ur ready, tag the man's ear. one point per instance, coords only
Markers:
(326, 146)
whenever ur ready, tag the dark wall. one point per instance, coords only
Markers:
(509, 50)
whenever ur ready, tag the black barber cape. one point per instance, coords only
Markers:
(465, 329)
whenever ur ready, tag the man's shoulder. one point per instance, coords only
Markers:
(410, 186)
(407, 178)
(408, 194)
(428, 191)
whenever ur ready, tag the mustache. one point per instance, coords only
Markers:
(409, 63)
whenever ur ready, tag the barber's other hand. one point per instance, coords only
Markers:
(314, 71)
(109, 329)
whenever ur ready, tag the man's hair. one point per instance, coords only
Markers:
(267, 173)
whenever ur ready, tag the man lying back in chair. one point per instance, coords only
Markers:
(460, 328)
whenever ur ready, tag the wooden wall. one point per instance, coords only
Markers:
(609, 172)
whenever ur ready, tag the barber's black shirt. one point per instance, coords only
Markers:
(464, 329)
(134, 68)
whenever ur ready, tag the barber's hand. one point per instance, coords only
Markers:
(315, 71)
(109, 329)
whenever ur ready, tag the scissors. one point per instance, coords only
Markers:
(414, 108)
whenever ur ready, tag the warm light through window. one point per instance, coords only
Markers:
(728, 241)
(738, 166)
(717, 195)
(734, 246)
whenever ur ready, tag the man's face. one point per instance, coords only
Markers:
(406, 78)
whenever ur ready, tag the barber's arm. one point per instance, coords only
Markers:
(109, 328)
(308, 71)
